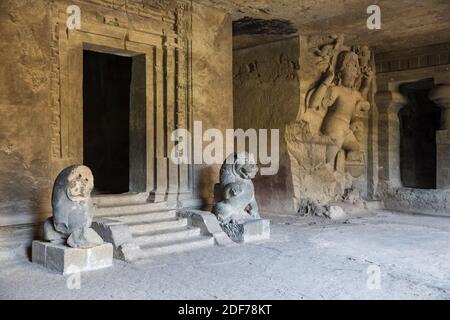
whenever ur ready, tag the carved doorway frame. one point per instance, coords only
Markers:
(167, 98)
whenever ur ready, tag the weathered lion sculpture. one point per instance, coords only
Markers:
(73, 209)
(236, 193)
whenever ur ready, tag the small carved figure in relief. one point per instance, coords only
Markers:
(73, 209)
(364, 58)
(327, 52)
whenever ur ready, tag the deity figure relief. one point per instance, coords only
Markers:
(339, 97)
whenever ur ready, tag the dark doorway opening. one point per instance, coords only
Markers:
(106, 120)
(419, 121)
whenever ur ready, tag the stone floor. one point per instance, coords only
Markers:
(312, 259)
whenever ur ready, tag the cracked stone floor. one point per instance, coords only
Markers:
(305, 259)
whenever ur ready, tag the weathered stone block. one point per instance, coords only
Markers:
(337, 213)
(38, 253)
(208, 224)
(426, 201)
(248, 231)
(119, 235)
(112, 231)
(66, 260)
(255, 230)
(128, 252)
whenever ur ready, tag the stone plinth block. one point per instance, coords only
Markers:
(66, 260)
(249, 230)
(254, 230)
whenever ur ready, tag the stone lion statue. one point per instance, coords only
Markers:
(235, 192)
(73, 209)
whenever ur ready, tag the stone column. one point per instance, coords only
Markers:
(171, 102)
(183, 116)
(441, 96)
(159, 192)
(389, 104)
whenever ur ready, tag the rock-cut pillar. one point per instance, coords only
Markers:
(441, 96)
(389, 104)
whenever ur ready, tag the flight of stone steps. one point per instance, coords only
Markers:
(155, 227)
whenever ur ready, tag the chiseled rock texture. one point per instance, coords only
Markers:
(266, 96)
(435, 202)
(26, 180)
(212, 80)
(405, 24)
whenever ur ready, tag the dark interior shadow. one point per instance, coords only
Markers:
(419, 121)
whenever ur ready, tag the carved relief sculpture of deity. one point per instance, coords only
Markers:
(339, 97)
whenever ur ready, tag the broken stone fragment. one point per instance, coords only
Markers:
(309, 207)
(208, 224)
(336, 213)
(119, 235)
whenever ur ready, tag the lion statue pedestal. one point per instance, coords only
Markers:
(71, 244)
(236, 208)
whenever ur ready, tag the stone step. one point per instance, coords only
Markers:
(166, 235)
(147, 217)
(160, 225)
(154, 227)
(111, 211)
(120, 199)
(176, 246)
